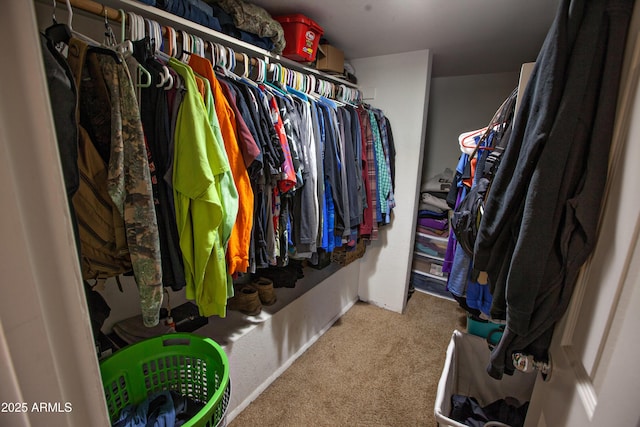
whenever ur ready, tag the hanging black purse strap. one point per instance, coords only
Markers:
(501, 137)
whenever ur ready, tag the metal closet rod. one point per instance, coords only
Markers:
(100, 9)
(114, 15)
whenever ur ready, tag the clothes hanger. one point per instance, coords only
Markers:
(323, 88)
(246, 62)
(313, 87)
(326, 91)
(167, 78)
(221, 59)
(185, 45)
(232, 61)
(132, 24)
(227, 63)
(284, 76)
(345, 94)
(359, 96)
(245, 74)
(286, 80)
(58, 33)
(193, 44)
(261, 66)
(125, 48)
(467, 140)
(263, 69)
(352, 96)
(61, 34)
(217, 55)
(163, 56)
(123, 27)
(289, 77)
(172, 42)
(201, 46)
(297, 86)
(154, 31)
(94, 46)
(277, 72)
(297, 80)
(139, 33)
(212, 49)
(69, 15)
(332, 93)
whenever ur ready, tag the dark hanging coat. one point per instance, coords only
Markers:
(541, 215)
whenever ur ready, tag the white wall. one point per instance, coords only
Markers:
(46, 346)
(457, 105)
(270, 346)
(399, 85)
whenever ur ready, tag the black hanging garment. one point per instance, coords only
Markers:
(468, 214)
(541, 215)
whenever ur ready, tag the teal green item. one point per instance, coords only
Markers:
(189, 364)
(485, 329)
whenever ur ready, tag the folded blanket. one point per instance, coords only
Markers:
(432, 200)
(436, 224)
(440, 182)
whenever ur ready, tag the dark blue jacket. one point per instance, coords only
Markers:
(542, 211)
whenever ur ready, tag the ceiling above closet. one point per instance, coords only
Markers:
(464, 36)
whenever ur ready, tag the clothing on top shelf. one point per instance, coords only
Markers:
(219, 176)
(254, 19)
(212, 16)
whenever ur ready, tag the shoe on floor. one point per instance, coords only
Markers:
(246, 300)
(265, 290)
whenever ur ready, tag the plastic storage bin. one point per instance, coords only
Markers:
(431, 245)
(186, 363)
(465, 373)
(302, 35)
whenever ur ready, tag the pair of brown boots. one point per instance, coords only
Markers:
(250, 298)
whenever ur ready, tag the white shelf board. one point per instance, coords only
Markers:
(432, 237)
(429, 275)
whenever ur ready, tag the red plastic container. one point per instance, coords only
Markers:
(302, 35)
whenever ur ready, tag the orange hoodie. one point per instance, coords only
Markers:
(238, 247)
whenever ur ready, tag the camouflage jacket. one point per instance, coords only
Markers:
(254, 19)
(108, 110)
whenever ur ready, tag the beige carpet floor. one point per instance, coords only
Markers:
(373, 367)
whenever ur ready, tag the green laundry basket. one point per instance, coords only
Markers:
(189, 364)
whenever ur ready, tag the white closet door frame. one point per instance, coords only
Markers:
(46, 346)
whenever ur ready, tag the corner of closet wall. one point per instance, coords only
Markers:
(401, 84)
(459, 104)
(46, 345)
